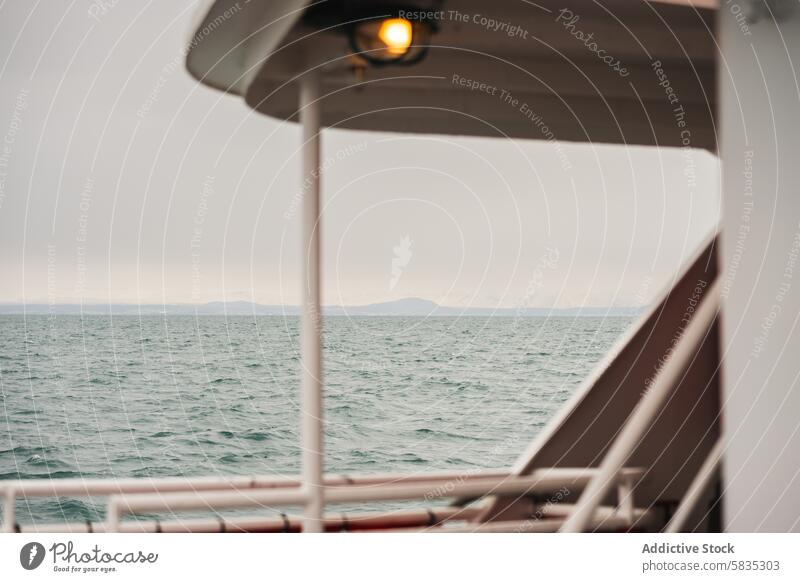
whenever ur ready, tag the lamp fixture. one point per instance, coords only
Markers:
(385, 41)
(378, 33)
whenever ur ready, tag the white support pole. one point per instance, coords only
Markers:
(112, 516)
(9, 512)
(625, 505)
(311, 427)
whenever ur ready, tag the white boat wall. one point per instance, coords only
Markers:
(682, 427)
(758, 117)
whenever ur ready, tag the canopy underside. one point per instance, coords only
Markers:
(615, 71)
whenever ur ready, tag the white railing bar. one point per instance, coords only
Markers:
(645, 411)
(311, 426)
(541, 481)
(350, 521)
(86, 487)
(119, 505)
(698, 486)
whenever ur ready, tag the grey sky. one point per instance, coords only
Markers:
(123, 180)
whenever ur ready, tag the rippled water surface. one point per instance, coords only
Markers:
(178, 395)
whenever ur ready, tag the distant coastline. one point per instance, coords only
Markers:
(410, 307)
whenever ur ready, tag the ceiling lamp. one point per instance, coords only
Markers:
(391, 40)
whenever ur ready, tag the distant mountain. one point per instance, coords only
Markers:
(412, 306)
(409, 306)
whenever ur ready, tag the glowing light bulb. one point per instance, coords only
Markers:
(396, 34)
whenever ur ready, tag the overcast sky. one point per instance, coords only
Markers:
(124, 181)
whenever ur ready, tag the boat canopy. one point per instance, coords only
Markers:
(616, 71)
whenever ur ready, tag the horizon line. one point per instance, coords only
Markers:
(406, 300)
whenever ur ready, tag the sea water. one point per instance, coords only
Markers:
(154, 396)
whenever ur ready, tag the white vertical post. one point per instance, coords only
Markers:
(9, 513)
(625, 505)
(112, 515)
(311, 427)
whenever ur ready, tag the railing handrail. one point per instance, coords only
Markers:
(99, 486)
